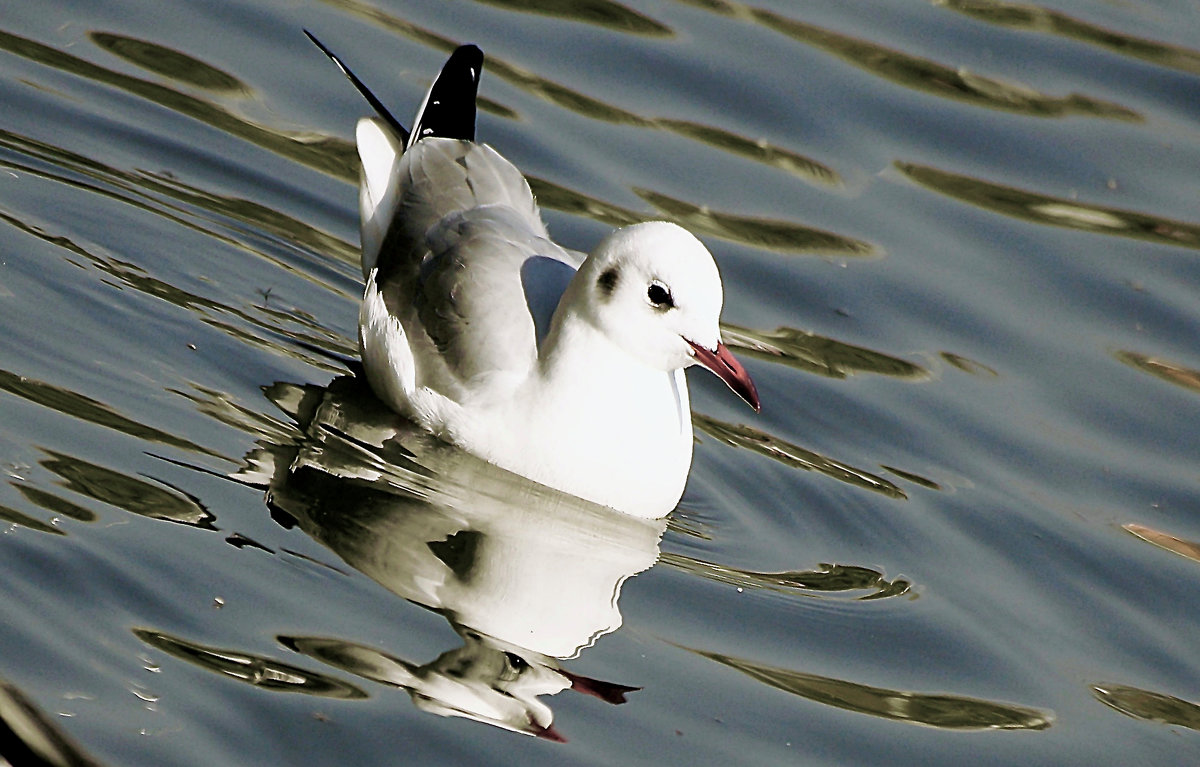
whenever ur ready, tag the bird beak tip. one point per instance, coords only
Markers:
(722, 362)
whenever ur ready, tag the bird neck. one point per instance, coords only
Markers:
(580, 362)
(577, 349)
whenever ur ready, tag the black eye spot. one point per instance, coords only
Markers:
(608, 282)
(659, 296)
(517, 663)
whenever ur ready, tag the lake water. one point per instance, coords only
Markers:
(960, 246)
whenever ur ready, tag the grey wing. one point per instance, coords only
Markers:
(470, 299)
(470, 253)
(439, 178)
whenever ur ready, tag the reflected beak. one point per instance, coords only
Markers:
(728, 369)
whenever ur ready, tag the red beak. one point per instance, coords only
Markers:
(728, 369)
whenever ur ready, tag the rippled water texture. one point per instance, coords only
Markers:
(960, 246)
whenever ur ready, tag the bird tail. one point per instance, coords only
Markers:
(448, 110)
(375, 103)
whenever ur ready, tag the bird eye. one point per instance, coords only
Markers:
(659, 296)
(517, 663)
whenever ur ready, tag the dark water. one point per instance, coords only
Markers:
(959, 242)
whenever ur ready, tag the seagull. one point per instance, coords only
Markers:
(562, 367)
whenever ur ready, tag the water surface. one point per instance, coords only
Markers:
(959, 242)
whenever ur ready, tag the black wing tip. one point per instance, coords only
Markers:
(316, 42)
(375, 103)
(449, 110)
(469, 54)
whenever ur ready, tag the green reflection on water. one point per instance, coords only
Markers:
(759, 151)
(1166, 541)
(601, 13)
(257, 670)
(223, 408)
(33, 738)
(1053, 211)
(1170, 372)
(757, 232)
(950, 712)
(555, 197)
(969, 365)
(335, 157)
(816, 354)
(1150, 706)
(921, 74)
(916, 479)
(768, 233)
(168, 197)
(168, 63)
(739, 435)
(830, 579)
(15, 517)
(309, 336)
(125, 492)
(54, 504)
(1035, 18)
(84, 408)
(723, 7)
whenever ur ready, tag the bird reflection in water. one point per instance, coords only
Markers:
(527, 576)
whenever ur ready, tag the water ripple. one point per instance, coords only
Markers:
(816, 354)
(87, 409)
(572, 100)
(740, 435)
(1053, 211)
(924, 75)
(169, 63)
(260, 671)
(33, 738)
(829, 579)
(1164, 370)
(1035, 18)
(602, 13)
(951, 712)
(1147, 705)
(115, 488)
(330, 157)
(1184, 548)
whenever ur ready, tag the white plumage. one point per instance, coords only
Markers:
(562, 368)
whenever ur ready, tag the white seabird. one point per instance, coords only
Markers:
(562, 368)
